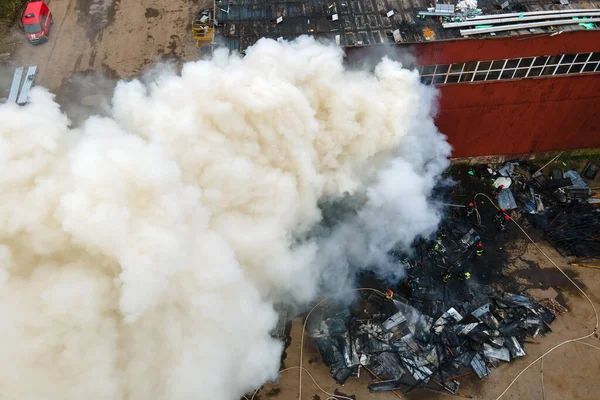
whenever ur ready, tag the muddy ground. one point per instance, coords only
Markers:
(95, 42)
(104, 40)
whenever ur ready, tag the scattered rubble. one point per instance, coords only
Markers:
(563, 205)
(440, 324)
(406, 348)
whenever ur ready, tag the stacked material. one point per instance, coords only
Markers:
(403, 347)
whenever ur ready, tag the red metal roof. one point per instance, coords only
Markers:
(35, 8)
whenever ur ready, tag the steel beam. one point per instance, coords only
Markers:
(15, 85)
(518, 19)
(478, 31)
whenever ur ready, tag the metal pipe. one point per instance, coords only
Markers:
(586, 265)
(436, 13)
(529, 13)
(535, 174)
(478, 31)
(517, 19)
(452, 205)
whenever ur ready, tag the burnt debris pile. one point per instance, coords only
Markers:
(575, 231)
(402, 348)
(558, 202)
(454, 313)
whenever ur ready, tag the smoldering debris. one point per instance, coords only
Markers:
(455, 313)
(575, 231)
(558, 202)
(406, 348)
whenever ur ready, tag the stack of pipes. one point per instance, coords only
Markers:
(526, 20)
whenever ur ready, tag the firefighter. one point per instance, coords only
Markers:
(497, 191)
(433, 249)
(470, 209)
(440, 236)
(445, 278)
(464, 276)
(502, 223)
(501, 217)
(479, 251)
(389, 294)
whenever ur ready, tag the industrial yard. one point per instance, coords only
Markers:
(431, 311)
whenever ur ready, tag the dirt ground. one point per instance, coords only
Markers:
(109, 38)
(570, 372)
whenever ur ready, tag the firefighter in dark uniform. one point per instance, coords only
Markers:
(502, 217)
(470, 209)
(497, 191)
(479, 250)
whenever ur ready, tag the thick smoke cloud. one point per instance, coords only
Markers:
(141, 253)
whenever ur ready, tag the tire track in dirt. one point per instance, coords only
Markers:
(56, 37)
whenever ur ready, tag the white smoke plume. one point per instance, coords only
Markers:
(141, 254)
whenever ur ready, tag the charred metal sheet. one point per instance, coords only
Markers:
(348, 351)
(484, 315)
(481, 310)
(497, 341)
(590, 170)
(449, 315)
(500, 354)
(331, 352)
(470, 238)
(479, 334)
(466, 358)
(451, 385)
(385, 386)
(511, 329)
(411, 343)
(394, 321)
(376, 346)
(390, 364)
(341, 375)
(515, 348)
(479, 366)
(419, 373)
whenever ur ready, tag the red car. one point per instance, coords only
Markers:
(36, 22)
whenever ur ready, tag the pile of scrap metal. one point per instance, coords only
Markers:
(574, 231)
(527, 183)
(401, 347)
(563, 205)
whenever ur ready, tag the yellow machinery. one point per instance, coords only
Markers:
(202, 29)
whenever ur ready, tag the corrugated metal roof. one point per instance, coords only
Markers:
(362, 22)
